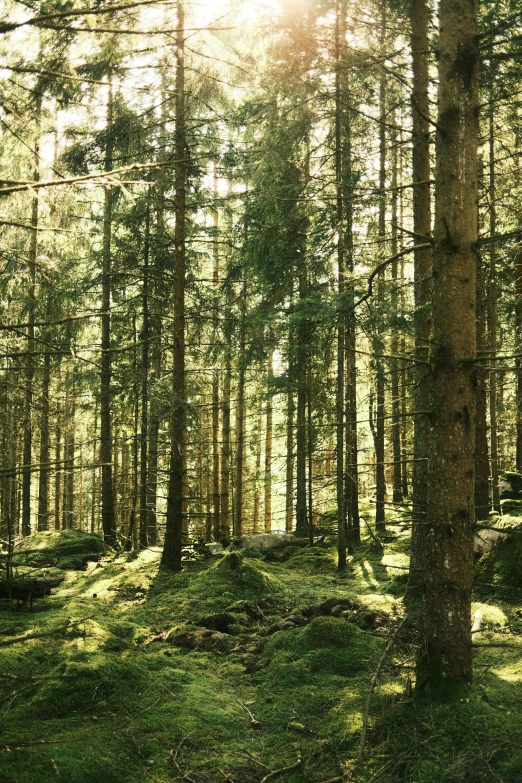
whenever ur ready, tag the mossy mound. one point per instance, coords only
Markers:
(502, 566)
(327, 645)
(64, 549)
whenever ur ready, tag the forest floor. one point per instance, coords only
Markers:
(247, 669)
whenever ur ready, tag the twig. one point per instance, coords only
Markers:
(373, 683)
(15, 745)
(253, 721)
(277, 773)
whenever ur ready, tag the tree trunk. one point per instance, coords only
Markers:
(171, 557)
(240, 421)
(445, 658)
(518, 361)
(216, 514)
(58, 473)
(395, 398)
(43, 489)
(341, 329)
(492, 320)
(380, 481)
(289, 497)
(107, 493)
(481, 434)
(268, 445)
(29, 366)
(225, 455)
(420, 109)
(145, 372)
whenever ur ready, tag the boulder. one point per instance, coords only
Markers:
(487, 540)
(267, 540)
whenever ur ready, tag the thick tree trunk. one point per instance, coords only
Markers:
(445, 658)
(420, 17)
(171, 557)
(43, 488)
(107, 492)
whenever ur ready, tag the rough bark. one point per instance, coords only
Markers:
(171, 556)
(107, 490)
(492, 319)
(445, 658)
(420, 16)
(43, 483)
(268, 446)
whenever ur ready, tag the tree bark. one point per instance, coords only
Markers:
(145, 372)
(240, 419)
(268, 445)
(171, 557)
(29, 366)
(107, 491)
(341, 328)
(289, 497)
(43, 488)
(492, 319)
(420, 109)
(445, 659)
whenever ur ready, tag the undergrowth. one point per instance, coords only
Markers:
(242, 665)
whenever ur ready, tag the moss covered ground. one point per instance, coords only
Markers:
(240, 666)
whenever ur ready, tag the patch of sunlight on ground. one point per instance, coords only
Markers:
(392, 560)
(490, 614)
(145, 557)
(378, 601)
(370, 578)
(511, 673)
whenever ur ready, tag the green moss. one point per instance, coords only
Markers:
(66, 549)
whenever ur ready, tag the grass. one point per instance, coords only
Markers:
(239, 665)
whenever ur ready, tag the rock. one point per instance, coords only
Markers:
(510, 485)
(487, 540)
(267, 540)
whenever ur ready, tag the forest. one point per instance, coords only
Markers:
(260, 391)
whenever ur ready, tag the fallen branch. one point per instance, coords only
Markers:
(373, 683)
(277, 773)
(253, 721)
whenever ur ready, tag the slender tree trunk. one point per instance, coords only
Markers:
(29, 366)
(268, 445)
(380, 481)
(395, 377)
(240, 422)
(445, 658)
(145, 372)
(518, 361)
(302, 337)
(420, 17)
(481, 433)
(225, 455)
(107, 493)
(216, 515)
(352, 469)
(58, 473)
(43, 490)
(289, 498)
(492, 320)
(341, 327)
(171, 557)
